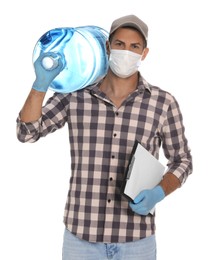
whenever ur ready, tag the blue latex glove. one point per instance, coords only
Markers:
(44, 76)
(146, 200)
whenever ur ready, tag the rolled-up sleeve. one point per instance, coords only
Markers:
(175, 144)
(53, 117)
(28, 132)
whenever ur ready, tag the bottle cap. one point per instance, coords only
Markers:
(49, 63)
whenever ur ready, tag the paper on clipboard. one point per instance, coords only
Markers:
(144, 171)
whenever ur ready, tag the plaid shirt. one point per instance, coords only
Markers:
(102, 137)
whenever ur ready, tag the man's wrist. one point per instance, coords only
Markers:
(159, 193)
(38, 87)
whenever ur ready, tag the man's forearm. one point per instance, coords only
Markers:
(32, 108)
(169, 183)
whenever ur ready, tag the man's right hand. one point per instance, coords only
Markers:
(44, 76)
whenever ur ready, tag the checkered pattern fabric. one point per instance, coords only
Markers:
(101, 139)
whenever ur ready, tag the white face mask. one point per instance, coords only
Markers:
(124, 63)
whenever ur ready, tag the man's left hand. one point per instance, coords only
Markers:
(146, 200)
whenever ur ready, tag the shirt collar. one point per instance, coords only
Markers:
(142, 85)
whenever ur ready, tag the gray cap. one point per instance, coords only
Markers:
(132, 21)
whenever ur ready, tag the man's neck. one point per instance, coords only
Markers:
(118, 89)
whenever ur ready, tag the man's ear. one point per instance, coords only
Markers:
(145, 52)
(107, 47)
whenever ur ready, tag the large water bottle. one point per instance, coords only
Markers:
(83, 52)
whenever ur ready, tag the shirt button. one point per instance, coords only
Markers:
(109, 200)
(115, 135)
(110, 178)
(117, 114)
(113, 156)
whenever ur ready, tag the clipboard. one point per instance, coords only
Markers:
(144, 171)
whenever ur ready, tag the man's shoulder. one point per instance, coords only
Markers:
(160, 93)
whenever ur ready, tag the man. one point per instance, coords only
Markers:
(104, 120)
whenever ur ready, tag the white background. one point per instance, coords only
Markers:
(34, 177)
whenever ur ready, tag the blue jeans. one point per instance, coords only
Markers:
(77, 249)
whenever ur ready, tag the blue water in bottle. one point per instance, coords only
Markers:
(83, 52)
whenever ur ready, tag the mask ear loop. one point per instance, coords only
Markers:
(142, 55)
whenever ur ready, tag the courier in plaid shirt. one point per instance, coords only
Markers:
(104, 120)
